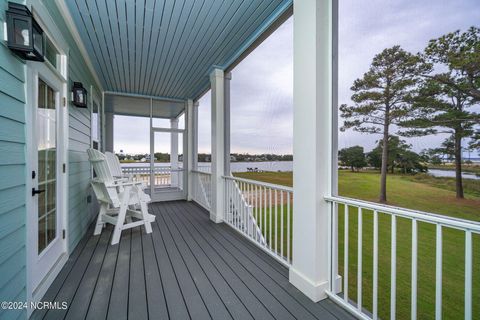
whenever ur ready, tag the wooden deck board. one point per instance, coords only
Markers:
(187, 268)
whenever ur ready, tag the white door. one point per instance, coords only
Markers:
(46, 156)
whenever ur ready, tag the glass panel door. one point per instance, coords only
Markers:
(166, 165)
(46, 135)
(161, 162)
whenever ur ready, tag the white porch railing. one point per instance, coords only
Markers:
(163, 176)
(263, 213)
(412, 224)
(202, 188)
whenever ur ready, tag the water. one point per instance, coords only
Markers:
(288, 166)
(451, 174)
(236, 166)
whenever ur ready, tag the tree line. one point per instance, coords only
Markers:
(412, 95)
(400, 157)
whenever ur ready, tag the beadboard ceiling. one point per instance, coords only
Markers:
(165, 48)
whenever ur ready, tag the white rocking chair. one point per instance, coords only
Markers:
(120, 200)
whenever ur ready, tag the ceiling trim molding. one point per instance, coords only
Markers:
(134, 95)
(62, 7)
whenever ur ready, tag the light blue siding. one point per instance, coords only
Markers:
(12, 178)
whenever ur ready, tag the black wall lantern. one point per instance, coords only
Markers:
(79, 95)
(25, 37)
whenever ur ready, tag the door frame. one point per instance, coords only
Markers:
(34, 72)
(167, 195)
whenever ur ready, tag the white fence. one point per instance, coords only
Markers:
(162, 176)
(202, 188)
(413, 224)
(263, 213)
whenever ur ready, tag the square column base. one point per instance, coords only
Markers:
(314, 291)
(214, 218)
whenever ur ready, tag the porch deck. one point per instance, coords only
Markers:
(188, 267)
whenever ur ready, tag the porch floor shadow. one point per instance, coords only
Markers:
(187, 268)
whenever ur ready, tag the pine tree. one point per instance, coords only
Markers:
(381, 98)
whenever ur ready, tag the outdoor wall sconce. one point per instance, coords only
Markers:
(25, 37)
(79, 95)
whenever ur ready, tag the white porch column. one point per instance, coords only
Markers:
(226, 115)
(195, 136)
(313, 145)
(174, 153)
(109, 120)
(218, 144)
(188, 162)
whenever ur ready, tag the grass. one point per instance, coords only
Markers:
(420, 193)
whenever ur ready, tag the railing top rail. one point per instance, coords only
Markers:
(201, 172)
(260, 183)
(148, 168)
(408, 213)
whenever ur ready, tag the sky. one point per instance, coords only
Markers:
(262, 84)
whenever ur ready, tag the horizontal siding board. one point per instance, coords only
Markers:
(81, 114)
(79, 146)
(11, 108)
(11, 63)
(12, 131)
(11, 176)
(11, 86)
(12, 198)
(11, 243)
(16, 259)
(75, 156)
(15, 286)
(14, 290)
(11, 221)
(78, 125)
(12, 153)
(79, 135)
(79, 167)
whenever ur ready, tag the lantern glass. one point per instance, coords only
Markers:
(81, 98)
(38, 41)
(21, 31)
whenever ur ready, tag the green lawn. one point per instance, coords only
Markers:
(416, 193)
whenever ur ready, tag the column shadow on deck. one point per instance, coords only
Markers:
(188, 268)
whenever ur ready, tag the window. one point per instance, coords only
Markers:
(95, 126)
(51, 53)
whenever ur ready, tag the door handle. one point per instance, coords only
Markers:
(34, 192)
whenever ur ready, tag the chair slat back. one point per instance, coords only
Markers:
(114, 164)
(99, 163)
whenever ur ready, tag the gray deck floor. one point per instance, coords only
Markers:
(187, 268)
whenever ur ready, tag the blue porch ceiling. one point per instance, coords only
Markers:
(166, 48)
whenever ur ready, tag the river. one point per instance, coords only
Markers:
(284, 166)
